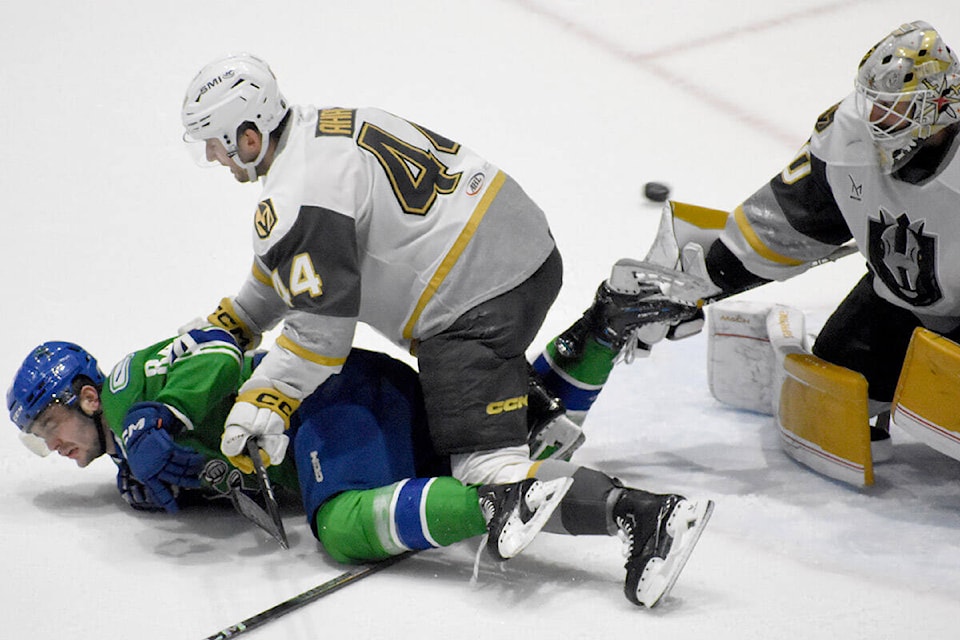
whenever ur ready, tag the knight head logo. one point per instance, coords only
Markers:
(903, 257)
(265, 219)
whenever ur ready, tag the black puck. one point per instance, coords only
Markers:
(656, 191)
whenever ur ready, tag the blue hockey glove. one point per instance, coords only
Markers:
(133, 491)
(154, 458)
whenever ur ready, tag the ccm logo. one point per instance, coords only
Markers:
(503, 406)
(278, 404)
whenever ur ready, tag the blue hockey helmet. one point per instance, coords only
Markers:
(45, 377)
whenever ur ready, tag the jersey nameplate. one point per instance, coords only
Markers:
(336, 122)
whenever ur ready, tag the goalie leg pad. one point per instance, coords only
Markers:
(740, 362)
(823, 419)
(926, 403)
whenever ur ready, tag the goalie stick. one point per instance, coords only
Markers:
(308, 596)
(691, 288)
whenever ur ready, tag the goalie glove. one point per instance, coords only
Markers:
(154, 458)
(262, 413)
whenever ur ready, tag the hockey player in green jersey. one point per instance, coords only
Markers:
(360, 450)
(160, 411)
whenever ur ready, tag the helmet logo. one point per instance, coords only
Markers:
(947, 96)
(265, 219)
(213, 83)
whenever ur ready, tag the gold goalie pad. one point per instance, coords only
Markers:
(927, 401)
(823, 419)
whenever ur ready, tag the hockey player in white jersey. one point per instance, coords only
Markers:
(367, 217)
(880, 168)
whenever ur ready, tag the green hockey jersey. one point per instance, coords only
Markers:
(196, 375)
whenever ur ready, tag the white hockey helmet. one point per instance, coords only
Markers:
(908, 87)
(228, 92)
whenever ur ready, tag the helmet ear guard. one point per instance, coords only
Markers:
(908, 88)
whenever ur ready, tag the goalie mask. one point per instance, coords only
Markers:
(225, 94)
(908, 87)
(46, 377)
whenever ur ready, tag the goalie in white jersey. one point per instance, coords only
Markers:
(880, 168)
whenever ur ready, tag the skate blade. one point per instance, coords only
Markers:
(661, 574)
(556, 489)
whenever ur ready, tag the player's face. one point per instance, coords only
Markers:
(891, 117)
(216, 152)
(69, 432)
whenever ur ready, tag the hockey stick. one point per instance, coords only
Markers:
(308, 596)
(266, 490)
(691, 288)
(840, 252)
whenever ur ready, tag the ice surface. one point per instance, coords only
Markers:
(114, 239)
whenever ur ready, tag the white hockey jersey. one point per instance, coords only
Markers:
(834, 190)
(367, 217)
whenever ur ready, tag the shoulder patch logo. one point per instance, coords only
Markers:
(120, 375)
(265, 219)
(336, 122)
(826, 119)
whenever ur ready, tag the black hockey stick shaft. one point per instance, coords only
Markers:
(305, 598)
(266, 490)
(840, 252)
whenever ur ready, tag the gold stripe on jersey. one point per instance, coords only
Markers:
(700, 217)
(454, 254)
(306, 354)
(260, 276)
(757, 244)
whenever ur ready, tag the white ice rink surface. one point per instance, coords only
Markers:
(113, 238)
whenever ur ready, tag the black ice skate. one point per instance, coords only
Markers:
(615, 315)
(550, 433)
(515, 513)
(659, 533)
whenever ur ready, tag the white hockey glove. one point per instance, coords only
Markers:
(263, 413)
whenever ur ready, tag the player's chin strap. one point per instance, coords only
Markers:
(101, 433)
(251, 167)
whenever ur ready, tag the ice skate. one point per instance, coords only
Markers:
(616, 314)
(659, 533)
(515, 513)
(881, 446)
(551, 434)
